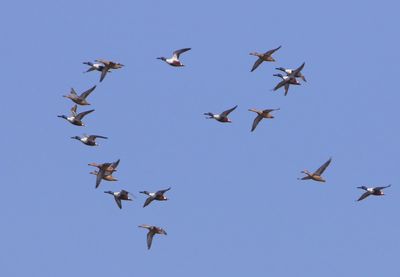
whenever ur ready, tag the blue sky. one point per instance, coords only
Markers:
(236, 207)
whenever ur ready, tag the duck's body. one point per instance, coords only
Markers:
(263, 57)
(159, 196)
(377, 191)
(79, 99)
(103, 66)
(289, 71)
(119, 196)
(152, 231)
(75, 119)
(104, 169)
(289, 79)
(174, 60)
(316, 176)
(260, 115)
(88, 140)
(107, 176)
(222, 117)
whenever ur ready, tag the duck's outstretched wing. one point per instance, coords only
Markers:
(322, 168)
(177, 53)
(148, 201)
(86, 93)
(82, 114)
(118, 201)
(270, 52)
(256, 64)
(364, 195)
(227, 112)
(255, 122)
(381, 188)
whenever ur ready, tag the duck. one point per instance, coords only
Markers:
(174, 60)
(107, 176)
(289, 79)
(79, 99)
(119, 196)
(104, 169)
(159, 195)
(89, 140)
(75, 119)
(377, 191)
(103, 66)
(152, 231)
(263, 57)
(289, 71)
(222, 117)
(260, 115)
(316, 176)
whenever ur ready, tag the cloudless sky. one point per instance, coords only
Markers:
(236, 207)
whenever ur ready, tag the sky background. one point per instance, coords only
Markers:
(236, 207)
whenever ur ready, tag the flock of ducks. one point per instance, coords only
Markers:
(106, 170)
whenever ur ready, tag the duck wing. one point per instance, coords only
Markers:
(270, 52)
(99, 177)
(148, 201)
(255, 122)
(280, 84)
(364, 195)
(322, 168)
(163, 191)
(82, 114)
(286, 88)
(150, 236)
(381, 188)
(297, 70)
(73, 110)
(118, 201)
(114, 164)
(93, 137)
(104, 72)
(177, 53)
(86, 93)
(227, 112)
(256, 64)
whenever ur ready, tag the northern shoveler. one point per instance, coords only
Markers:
(260, 116)
(263, 57)
(222, 117)
(316, 176)
(79, 99)
(104, 169)
(152, 231)
(289, 79)
(289, 71)
(103, 66)
(377, 191)
(120, 195)
(174, 60)
(159, 195)
(76, 119)
(89, 140)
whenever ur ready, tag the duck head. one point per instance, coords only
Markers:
(278, 75)
(363, 187)
(62, 116)
(109, 192)
(76, 137)
(162, 58)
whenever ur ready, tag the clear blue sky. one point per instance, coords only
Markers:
(236, 208)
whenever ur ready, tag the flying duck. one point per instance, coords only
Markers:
(120, 195)
(174, 60)
(107, 176)
(222, 117)
(316, 176)
(289, 71)
(289, 79)
(75, 118)
(89, 140)
(104, 169)
(263, 57)
(103, 66)
(378, 191)
(152, 231)
(159, 195)
(79, 99)
(261, 115)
